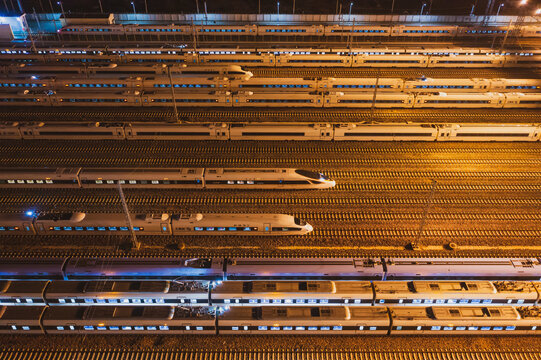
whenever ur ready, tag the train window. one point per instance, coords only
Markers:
(447, 328)
(114, 328)
(234, 327)
(510, 328)
(139, 328)
(299, 301)
(101, 228)
(325, 328)
(210, 228)
(89, 301)
(154, 328)
(221, 229)
(485, 328)
(136, 301)
(435, 328)
(59, 328)
(261, 328)
(275, 328)
(126, 328)
(232, 229)
(101, 328)
(200, 228)
(276, 301)
(88, 327)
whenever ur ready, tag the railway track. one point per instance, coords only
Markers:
(265, 354)
(14, 147)
(235, 161)
(257, 199)
(452, 73)
(284, 115)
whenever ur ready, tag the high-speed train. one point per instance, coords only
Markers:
(428, 98)
(249, 269)
(276, 31)
(94, 60)
(271, 320)
(166, 178)
(186, 84)
(271, 131)
(79, 223)
(269, 293)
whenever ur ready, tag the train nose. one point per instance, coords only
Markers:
(331, 183)
(309, 227)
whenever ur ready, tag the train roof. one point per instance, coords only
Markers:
(10, 288)
(475, 313)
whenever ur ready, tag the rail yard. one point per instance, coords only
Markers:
(204, 186)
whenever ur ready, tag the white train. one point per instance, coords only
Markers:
(270, 293)
(79, 223)
(151, 60)
(163, 178)
(271, 320)
(197, 86)
(275, 99)
(271, 131)
(265, 31)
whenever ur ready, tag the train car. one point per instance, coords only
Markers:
(367, 100)
(10, 131)
(277, 99)
(22, 268)
(463, 269)
(129, 320)
(259, 85)
(143, 269)
(429, 85)
(292, 293)
(457, 61)
(424, 31)
(239, 224)
(92, 30)
(291, 30)
(393, 60)
(462, 100)
(360, 84)
(526, 58)
(70, 131)
(303, 320)
(21, 320)
(357, 30)
(123, 98)
(186, 83)
(187, 99)
(494, 132)
(25, 98)
(230, 71)
(268, 131)
(235, 56)
(226, 30)
(269, 178)
(24, 293)
(34, 83)
(309, 57)
(160, 131)
(42, 177)
(516, 292)
(17, 224)
(186, 178)
(512, 85)
(385, 132)
(433, 292)
(92, 224)
(439, 320)
(127, 293)
(304, 269)
(522, 100)
(531, 31)
(99, 84)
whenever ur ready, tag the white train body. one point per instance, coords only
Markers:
(239, 224)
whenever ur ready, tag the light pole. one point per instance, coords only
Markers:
(61, 8)
(472, 8)
(278, 7)
(499, 7)
(101, 7)
(133, 6)
(422, 8)
(350, 6)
